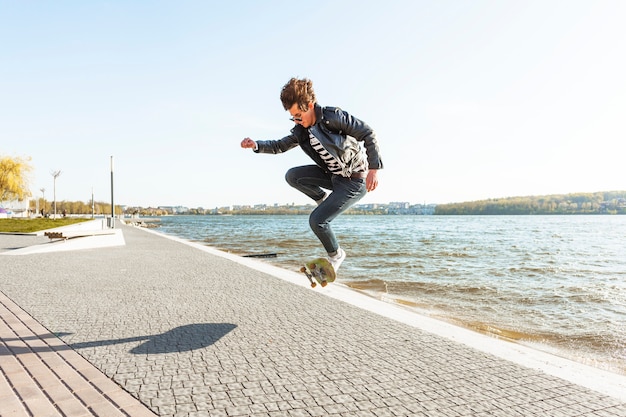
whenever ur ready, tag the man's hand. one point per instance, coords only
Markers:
(248, 143)
(371, 182)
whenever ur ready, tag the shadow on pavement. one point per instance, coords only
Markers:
(179, 339)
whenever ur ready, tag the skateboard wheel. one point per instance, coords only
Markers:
(324, 283)
(303, 269)
(313, 285)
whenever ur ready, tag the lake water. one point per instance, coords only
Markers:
(556, 283)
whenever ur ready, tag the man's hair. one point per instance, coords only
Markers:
(298, 92)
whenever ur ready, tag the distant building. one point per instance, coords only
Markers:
(399, 206)
(14, 208)
(174, 209)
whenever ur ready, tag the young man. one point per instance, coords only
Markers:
(330, 137)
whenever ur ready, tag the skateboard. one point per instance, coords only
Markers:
(319, 270)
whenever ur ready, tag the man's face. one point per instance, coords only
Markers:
(304, 118)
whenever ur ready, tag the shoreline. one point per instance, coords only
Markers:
(597, 379)
(531, 340)
(555, 342)
(161, 315)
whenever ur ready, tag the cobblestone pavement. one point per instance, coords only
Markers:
(192, 334)
(41, 376)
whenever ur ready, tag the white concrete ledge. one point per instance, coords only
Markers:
(86, 235)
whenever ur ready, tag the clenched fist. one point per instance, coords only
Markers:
(248, 143)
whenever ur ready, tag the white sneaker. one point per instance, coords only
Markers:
(336, 260)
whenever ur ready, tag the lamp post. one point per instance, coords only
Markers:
(112, 203)
(55, 174)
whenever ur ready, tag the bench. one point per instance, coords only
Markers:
(54, 235)
(77, 233)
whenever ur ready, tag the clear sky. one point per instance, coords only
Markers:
(469, 99)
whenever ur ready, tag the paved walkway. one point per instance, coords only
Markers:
(190, 333)
(42, 376)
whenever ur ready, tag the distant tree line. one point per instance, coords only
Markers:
(608, 202)
(270, 210)
(74, 207)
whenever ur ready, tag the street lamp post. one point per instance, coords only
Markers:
(112, 203)
(55, 174)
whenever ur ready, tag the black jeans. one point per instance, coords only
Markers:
(311, 180)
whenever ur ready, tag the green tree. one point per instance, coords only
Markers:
(14, 178)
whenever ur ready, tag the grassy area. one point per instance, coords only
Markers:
(35, 225)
